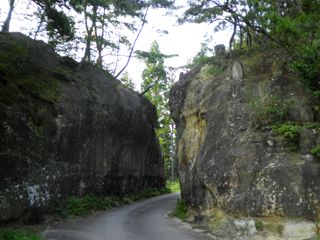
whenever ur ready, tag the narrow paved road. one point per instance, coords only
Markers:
(144, 220)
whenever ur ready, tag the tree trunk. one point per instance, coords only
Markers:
(241, 37)
(40, 24)
(133, 45)
(99, 39)
(233, 35)
(172, 155)
(6, 24)
(249, 38)
(89, 30)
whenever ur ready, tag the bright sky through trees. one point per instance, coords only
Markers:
(184, 40)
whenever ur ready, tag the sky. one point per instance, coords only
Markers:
(184, 40)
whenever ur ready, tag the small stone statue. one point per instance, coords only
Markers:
(220, 50)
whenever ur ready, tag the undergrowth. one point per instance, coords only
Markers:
(76, 206)
(291, 131)
(181, 210)
(268, 109)
(82, 206)
(316, 152)
(172, 187)
(259, 225)
(11, 234)
(20, 81)
(287, 130)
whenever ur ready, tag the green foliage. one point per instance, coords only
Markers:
(291, 131)
(40, 87)
(98, 24)
(127, 81)
(148, 193)
(76, 206)
(83, 206)
(316, 151)
(259, 225)
(60, 27)
(287, 130)
(214, 70)
(17, 80)
(181, 210)
(199, 60)
(12, 58)
(307, 64)
(286, 23)
(316, 93)
(104, 22)
(156, 86)
(11, 234)
(311, 125)
(173, 186)
(205, 55)
(268, 110)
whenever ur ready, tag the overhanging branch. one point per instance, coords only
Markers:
(134, 43)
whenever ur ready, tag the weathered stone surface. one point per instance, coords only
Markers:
(94, 136)
(228, 162)
(220, 50)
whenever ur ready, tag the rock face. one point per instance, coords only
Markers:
(67, 131)
(230, 156)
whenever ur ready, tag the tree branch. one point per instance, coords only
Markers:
(134, 43)
(149, 87)
(6, 24)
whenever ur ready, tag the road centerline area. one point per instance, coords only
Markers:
(144, 220)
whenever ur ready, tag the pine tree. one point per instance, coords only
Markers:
(127, 81)
(156, 87)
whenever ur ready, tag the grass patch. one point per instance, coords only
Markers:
(181, 210)
(173, 186)
(148, 193)
(11, 234)
(291, 130)
(287, 130)
(83, 206)
(76, 206)
(312, 125)
(316, 151)
(268, 109)
(259, 225)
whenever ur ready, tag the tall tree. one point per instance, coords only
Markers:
(285, 22)
(156, 87)
(102, 20)
(6, 24)
(127, 81)
(292, 25)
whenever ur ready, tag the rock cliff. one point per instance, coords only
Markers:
(245, 130)
(66, 131)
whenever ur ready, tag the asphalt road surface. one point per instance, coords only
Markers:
(144, 220)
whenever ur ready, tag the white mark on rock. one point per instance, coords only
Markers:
(33, 194)
(237, 71)
(245, 226)
(270, 143)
